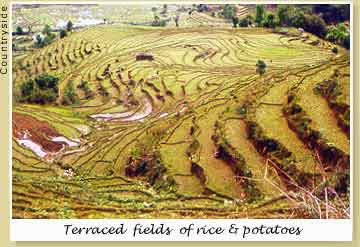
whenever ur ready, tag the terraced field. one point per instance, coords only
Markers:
(194, 132)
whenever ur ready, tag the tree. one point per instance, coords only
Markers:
(298, 20)
(19, 30)
(283, 14)
(39, 41)
(316, 25)
(70, 97)
(337, 34)
(333, 13)
(260, 12)
(69, 26)
(270, 21)
(62, 33)
(235, 21)
(260, 67)
(228, 11)
(245, 22)
(46, 30)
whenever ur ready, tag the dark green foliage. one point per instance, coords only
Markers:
(158, 22)
(269, 21)
(316, 25)
(339, 34)
(46, 30)
(283, 13)
(62, 33)
(19, 30)
(43, 41)
(260, 67)
(41, 90)
(228, 11)
(333, 13)
(70, 97)
(260, 13)
(69, 26)
(246, 21)
(298, 20)
(235, 21)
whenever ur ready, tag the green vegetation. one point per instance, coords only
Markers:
(62, 33)
(42, 89)
(260, 67)
(70, 97)
(228, 11)
(19, 30)
(259, 16)
(69, 26)
(204, 121)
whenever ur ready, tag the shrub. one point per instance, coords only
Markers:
(19, 30)
(260, 67)
(46, 30)
(235, 21)
(69, 26)
(62, 33)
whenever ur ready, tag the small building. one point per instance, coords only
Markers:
(144, 56)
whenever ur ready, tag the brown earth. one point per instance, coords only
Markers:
(37, 131)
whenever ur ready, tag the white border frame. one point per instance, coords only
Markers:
(342, 226)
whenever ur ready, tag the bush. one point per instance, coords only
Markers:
(235, 21)
(260, 67)
(69, 26)
(19, 30)
(62, 33)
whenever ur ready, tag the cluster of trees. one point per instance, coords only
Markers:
(42, 89)
(314, 19)
(46, 38)
(63, 32)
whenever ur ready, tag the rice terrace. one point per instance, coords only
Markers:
(181, 111)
